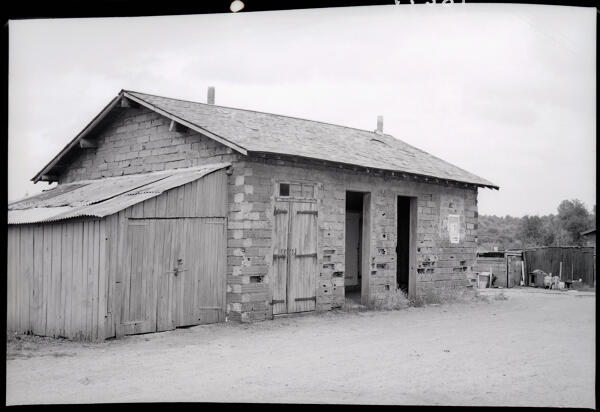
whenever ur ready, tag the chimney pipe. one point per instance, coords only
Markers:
(210, 99)
(379, 125)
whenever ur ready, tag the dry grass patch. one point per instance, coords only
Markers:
(399, 300)
(392, 301)
(443, 296)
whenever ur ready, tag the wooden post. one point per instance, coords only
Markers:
(507, 270)
(522, 273)
(572, 277)
(366, 250)
(412, 242)
(560, 271)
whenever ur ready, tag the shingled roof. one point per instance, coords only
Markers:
(249, 132)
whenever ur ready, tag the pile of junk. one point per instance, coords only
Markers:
(539, 278)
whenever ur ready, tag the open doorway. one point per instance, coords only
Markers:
(353, 260)
(403, 248)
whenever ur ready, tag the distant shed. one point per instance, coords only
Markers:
(132, 254)
(568, 262)
(505, 265)
(589, 237)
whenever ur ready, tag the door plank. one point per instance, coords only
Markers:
(280, 257)
(164, 319)
(303, 257)
(209, 269)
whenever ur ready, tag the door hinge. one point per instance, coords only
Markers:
(303, 299)
(279, 211)
(307, 255)
(307, 212)
(274, 302)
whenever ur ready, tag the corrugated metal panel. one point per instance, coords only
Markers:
(102, 197)
(39, 199)
(36, 214)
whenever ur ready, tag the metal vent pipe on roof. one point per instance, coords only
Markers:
(210, 99)
(379, 125)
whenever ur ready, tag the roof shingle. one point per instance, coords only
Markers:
(272, 133)
(248, 132)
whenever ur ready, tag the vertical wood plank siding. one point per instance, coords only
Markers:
(52, 278)
(66, 278)
(577, 263)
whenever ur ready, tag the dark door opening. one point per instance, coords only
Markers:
(353, 255)
(403, 244)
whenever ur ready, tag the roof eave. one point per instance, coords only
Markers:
(45, 173)
(440, 180)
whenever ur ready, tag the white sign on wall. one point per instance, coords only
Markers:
(454, 228)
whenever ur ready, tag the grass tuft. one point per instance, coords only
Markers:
(391, 301)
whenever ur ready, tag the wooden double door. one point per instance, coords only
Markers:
(295, 269)
(174, 274)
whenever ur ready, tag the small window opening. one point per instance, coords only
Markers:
(284, 189)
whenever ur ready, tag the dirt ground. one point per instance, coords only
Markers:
(531, 349)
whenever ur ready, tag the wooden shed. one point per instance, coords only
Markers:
(119, 255)
(170, 212)
(505, 265)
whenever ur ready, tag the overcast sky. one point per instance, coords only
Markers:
(506, 92)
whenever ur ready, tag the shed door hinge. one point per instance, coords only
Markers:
(308, 212)
(303, 299)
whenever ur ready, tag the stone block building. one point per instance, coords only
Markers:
(312, 214)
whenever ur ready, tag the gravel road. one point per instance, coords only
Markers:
(532, 349)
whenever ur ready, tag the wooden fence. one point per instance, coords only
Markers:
(577, 262)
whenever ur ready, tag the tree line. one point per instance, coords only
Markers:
(561, 229)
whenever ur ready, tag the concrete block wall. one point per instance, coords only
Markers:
(249, 252)
(139, 140)
(440, 263)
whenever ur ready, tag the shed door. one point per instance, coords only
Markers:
(174, 273)
(302, 277)
(200, 283)
(141, 274)
(293, 284)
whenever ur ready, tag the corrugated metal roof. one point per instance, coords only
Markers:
(101, 197)
(255, 132)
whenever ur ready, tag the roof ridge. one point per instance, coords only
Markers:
(258, 111)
